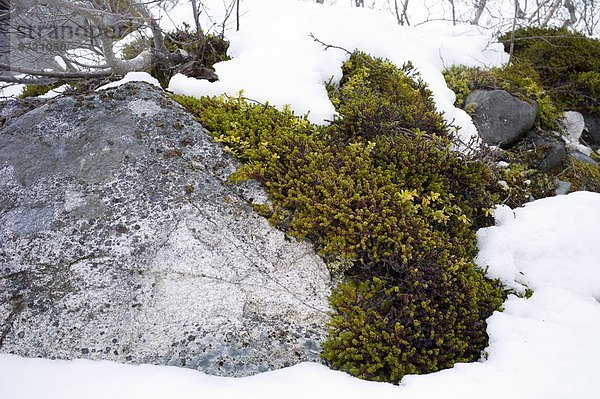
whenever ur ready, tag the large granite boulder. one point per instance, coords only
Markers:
(500, 118)
(120, 239)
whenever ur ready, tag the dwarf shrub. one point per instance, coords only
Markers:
(422, 320)
(567, 64)
(582, 176)
(380, 192)
(205, 48)
(374, 94)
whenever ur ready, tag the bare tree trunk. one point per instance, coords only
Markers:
(196, 11)
(551, 12)
(401, 15)
(479, 11)
(237, 15)
(453, 12)
(572, 15)
(512, 32)
(405, 12)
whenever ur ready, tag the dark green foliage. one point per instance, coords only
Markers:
(378, 190)
(206, 48)
(523, 182)
(422, 320)
(582, 176)
(567, 64)
(374, 96)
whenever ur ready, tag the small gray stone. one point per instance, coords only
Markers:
(500, 118)
(581, 157)
(592, 131)
(562, 187)
(553, 153)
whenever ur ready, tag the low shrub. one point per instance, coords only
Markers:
(582, 176)
(567, 64)
(379, 191)
(38, 90)
(205, 48)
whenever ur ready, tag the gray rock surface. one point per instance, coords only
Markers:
(120, 240)
(500, 118)
(581, 157)
(543, 150)
(592, 131)
(562, 187)
(553, 154)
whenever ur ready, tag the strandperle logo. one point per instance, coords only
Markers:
(60, 38)
(33, 33)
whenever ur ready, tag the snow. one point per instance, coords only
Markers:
(132, 77)
(55, 92)
(275, 59)
(545, 346)
(8, 90)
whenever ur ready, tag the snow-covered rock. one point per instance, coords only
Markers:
(119, 240)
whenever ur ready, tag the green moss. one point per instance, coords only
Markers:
(386, 201)
(38, 90)
(567, 64)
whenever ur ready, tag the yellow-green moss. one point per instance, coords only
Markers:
(38, 90)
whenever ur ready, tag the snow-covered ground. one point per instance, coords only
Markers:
(275, 59)
(542, 347)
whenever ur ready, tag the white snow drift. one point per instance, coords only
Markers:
(275, 59)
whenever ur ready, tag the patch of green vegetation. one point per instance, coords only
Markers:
(205, 48)
(582, 176)
(567, 65)
(384, 199)
(38, 90)
(524, 183)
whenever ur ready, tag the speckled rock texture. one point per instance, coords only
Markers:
(121, 239)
